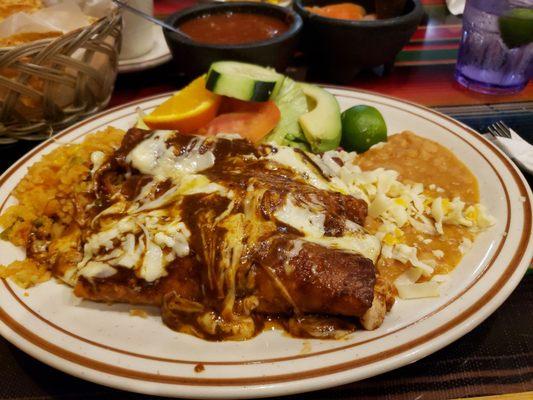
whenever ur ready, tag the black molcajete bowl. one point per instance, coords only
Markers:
(338, 49)
(194, 58)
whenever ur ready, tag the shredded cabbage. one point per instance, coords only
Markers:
(292, 103)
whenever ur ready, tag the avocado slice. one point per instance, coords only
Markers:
(322, 124)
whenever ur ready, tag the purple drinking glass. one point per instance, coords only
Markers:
(485, 64)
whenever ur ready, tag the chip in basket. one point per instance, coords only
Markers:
(9, 7)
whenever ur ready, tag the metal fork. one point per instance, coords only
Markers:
(517, 148)
(500, 129)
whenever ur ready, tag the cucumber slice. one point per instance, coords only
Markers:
(242, 81)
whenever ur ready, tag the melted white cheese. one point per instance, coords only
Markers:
(351, 226)
(152, 267)
(194, 184)
(131, 253)
(154, 157)
(309, 222)
(406, 254)
(288, 157)
(168, 197)
(97, 159)
(104, 239)
(96, 269)
(145, 238)
(141, 239)
(364, 244)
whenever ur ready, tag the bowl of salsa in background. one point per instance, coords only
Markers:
(337, 49)
(240, 31)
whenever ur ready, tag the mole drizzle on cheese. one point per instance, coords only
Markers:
(233, 28)
(221, 234)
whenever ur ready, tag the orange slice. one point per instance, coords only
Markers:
(190, 109)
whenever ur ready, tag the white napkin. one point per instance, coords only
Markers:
(456, 7)
(516, 148)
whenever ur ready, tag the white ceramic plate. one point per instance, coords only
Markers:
(104, 344)
(159, 54)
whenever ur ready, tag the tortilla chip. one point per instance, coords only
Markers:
(9, 7)
(25, 37)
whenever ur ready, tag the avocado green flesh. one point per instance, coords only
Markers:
(322, 125)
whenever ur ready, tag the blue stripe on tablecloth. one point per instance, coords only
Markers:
(518, 116)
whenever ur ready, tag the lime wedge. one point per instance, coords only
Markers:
(362, 127)
(516, 27)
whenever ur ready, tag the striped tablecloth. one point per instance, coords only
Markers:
(495, 358)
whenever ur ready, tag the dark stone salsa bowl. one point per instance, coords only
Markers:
(193, 58)
(338, 49)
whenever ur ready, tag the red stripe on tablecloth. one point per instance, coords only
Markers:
(166, 7)
(433, 86)
(430, 46)
(433, 2)
(425, 62)
(438, 32)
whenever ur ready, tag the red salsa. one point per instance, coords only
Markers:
(233, 28)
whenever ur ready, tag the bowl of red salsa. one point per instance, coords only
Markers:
(257, 33)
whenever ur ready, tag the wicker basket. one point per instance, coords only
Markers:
(48, 84)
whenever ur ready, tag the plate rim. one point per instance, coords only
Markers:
(452, 335)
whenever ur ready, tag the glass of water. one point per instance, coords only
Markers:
(496, 52)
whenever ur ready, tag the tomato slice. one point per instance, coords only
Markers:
(251, 120)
